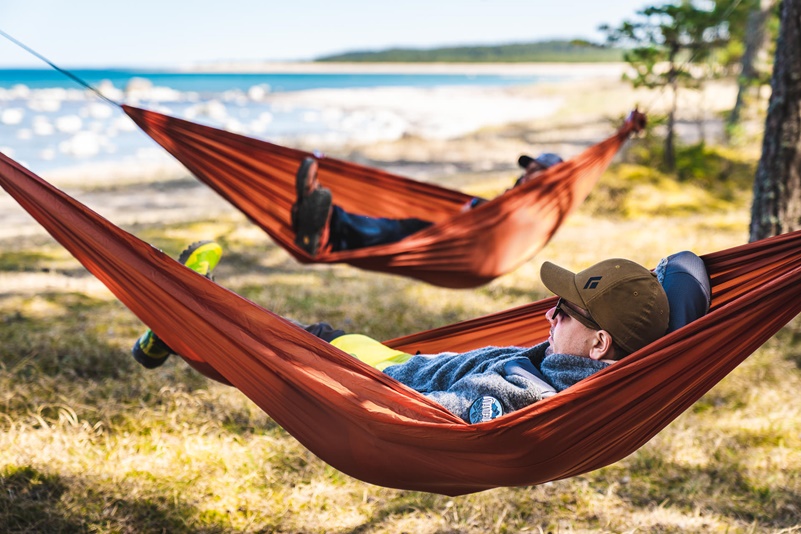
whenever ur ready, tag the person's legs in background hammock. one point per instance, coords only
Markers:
(319, 224)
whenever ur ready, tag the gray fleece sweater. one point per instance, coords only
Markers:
(484, 383)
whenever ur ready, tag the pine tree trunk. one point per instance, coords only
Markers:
(752, 60)
(670, 135)
(777, 186)
(669, 157)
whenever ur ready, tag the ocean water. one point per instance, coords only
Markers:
(211, 83)
(48, 121)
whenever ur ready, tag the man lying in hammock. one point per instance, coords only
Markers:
(319, 223)
(604, 313)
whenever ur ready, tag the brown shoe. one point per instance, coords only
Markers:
(311, 210)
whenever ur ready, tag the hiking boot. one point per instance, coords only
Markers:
(202, 257)
(311, 210)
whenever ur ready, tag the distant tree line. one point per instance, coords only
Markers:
(575, 51)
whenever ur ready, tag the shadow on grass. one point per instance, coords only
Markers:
(69, 338)
(790, 337)
(29, 502)
(720, 487)
(33, 501)
(404, 504)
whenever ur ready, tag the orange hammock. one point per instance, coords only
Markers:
(375, 429)
(461, 250)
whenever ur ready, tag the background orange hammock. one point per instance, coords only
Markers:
(375, 429)
(461, 250)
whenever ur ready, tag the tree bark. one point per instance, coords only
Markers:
(669, 157)
(670, 134)
(753, 60)
(776, 207)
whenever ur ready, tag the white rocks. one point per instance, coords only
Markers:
(258, 92)
(69, 124)
(12, 116)
(81, 145)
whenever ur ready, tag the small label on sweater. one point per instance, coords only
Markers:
(485, 408)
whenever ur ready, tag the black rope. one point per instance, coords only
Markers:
(66, 73)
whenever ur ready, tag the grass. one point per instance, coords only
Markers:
(91, 442)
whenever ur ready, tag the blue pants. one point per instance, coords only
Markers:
(349, 231)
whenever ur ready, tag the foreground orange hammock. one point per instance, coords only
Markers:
(461, 250)
(375, 429)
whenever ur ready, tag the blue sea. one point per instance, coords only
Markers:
(48, 121)
(220, 82)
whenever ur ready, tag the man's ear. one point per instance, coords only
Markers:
(602, 346)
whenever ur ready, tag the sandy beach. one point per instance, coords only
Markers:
(439, 132)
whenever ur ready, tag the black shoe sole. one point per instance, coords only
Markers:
(312, 216)
(188, 251)
(301, 176)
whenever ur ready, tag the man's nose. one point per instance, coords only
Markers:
(551, 315)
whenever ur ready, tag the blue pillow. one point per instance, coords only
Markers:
(685, 280)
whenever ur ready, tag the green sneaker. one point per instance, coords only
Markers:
(202, 257)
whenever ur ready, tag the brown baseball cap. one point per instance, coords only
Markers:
(624, 298)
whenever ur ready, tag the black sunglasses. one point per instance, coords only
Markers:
(562, 306)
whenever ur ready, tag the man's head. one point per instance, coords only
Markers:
(534, 166)
(540, 163)
(615, 299)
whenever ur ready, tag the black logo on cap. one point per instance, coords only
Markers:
(592, 283)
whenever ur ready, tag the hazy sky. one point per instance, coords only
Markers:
(99, 33)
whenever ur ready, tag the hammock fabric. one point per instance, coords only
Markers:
(375, 429)
(460, 250)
